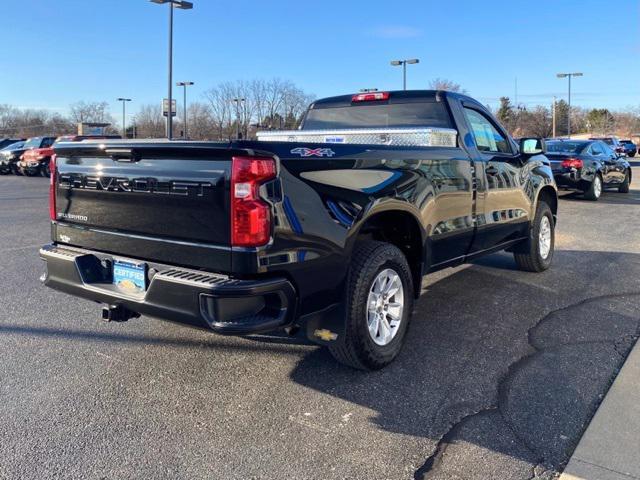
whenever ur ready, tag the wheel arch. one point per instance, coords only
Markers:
(550, 197)
(401, 228)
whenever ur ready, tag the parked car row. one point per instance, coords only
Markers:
(31, 156)
(588, 166)
(623, 147)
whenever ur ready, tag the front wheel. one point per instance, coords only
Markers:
(44, 170)
(624, 186)
(536, 254)
(595, 188)
(379, 305)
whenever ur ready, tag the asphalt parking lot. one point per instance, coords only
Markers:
(500, 374)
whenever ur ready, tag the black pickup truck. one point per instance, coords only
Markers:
(326, 231)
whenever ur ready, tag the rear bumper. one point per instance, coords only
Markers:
(29, 168)
(200, 299)
(572, 178)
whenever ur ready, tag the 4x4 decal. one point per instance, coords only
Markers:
(313, 152)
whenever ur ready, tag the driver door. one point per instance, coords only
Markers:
(614, 170)
(504, 199)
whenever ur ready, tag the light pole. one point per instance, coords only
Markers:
(569, 75)
(124, 102)
(238, 101)
(132, 122)
(184, 6)
(185, 85)
(404, 63)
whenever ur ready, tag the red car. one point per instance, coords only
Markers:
(35, 160)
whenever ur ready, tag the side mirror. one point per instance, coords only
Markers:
(532, 146)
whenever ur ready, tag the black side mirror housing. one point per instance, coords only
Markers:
(532, 146)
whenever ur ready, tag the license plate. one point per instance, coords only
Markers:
(129, 276)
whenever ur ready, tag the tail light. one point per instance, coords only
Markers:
(370, 97)
(572, 163)
(52, 188)
(250, 215)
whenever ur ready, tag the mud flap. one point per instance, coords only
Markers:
(325, 327)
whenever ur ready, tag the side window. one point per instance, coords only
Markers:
(487, 137)
(596, 149)
(607, 150)
(47, 142)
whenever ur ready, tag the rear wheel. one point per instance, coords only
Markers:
(536, 254)
(378, 306)
(595, 188)
(624, 186)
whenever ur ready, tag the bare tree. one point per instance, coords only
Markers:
(17, 122)
(90, 112)
(150, 123)
(201, 122)
(268, 104)
(220, 100)
(534, 123)
(444, 84)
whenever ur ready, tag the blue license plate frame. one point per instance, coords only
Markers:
(130, 276)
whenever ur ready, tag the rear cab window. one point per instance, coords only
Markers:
(379, 115)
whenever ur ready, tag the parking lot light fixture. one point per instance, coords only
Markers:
(124, 102)
(569, 75)
(184, 106)
(404, 63)
(183, 5)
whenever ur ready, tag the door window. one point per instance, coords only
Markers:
(596, 149)
(607, 150)
(487, 137)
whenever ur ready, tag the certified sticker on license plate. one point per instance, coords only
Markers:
(129, 276)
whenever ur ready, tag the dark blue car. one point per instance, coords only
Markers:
(629, 147)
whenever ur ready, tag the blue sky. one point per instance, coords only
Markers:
(68, 50)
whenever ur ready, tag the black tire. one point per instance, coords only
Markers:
(632, 154)
(624, 186)
(528, 257)
(44, 170)
(592, 193)
(358, 349)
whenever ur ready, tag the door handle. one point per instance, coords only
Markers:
(491, 170)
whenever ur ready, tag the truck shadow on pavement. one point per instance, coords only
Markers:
(500, 374)
(500, 363)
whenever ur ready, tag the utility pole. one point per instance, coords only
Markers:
(184, 107)
(124, 102)
(238, 101)
(553, 116)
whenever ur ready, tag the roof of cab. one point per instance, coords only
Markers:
(395, 96)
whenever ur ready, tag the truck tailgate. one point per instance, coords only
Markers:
(154, 201)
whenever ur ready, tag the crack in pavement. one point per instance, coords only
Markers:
(542, 467)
